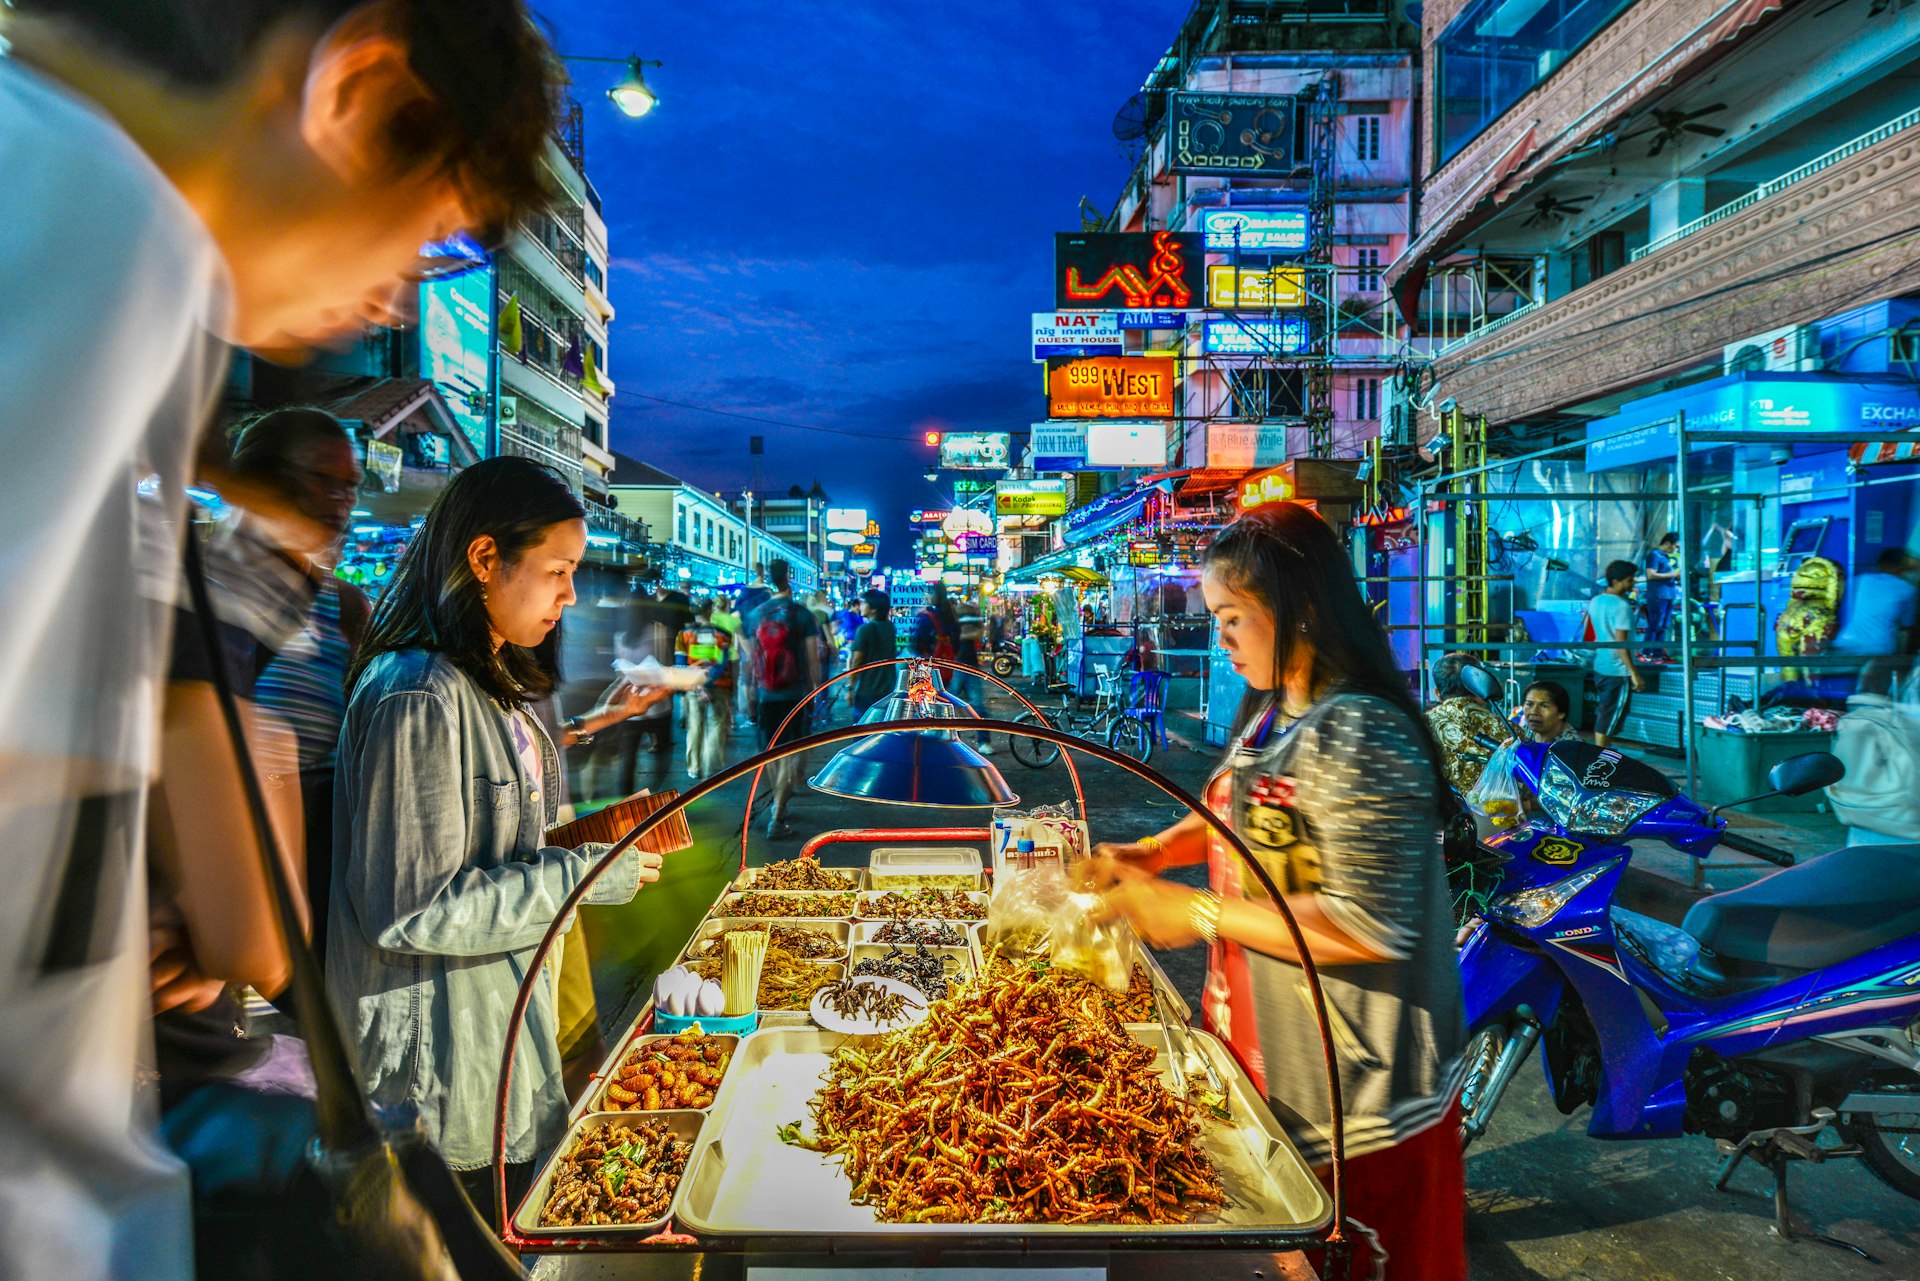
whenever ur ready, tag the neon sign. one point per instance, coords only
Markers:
(1229, 286)
(1160, 269)
(1274, 486)
(1255, 231)
(1110, 387)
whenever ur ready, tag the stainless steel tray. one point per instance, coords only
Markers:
(715, 926)
(745, 880)
(959, 960)
(684, 1125)
(868, 896)
(745, 1182)
(1177, 1006)
(596, 1097)
(733, 896)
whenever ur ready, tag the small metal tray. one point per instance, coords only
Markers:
(733, 896)
(597, 1096)
(867, 897)
(684, 1125)
(746, 879)
(863, 932)
(745, 1182)
(715, 926)
(958, 961)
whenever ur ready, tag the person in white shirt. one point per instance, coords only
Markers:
(1615, 678)
(175, 175)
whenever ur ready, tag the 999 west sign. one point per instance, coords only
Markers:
(1110, 387)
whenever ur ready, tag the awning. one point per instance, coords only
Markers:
(1108, 512)
(1064, 563)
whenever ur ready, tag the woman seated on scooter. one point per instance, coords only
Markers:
(1332, 780)
(1460, 720)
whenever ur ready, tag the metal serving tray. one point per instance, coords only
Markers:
(745, 880)
(596, 1097)
(684, 1125)
(733, 896)
(868, 896)
(838, 930)
(745, 1182)
(959, 960)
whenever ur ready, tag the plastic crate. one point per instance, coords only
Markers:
(1733, 766)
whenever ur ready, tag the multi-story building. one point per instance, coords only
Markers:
(796, 518)
(697, 538)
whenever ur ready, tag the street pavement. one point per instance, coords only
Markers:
(1544, 1201)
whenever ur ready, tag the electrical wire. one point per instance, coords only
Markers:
(782, 422)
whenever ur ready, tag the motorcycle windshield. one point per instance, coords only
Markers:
(1599, 791)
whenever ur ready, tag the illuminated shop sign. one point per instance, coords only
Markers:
(1145, 553)
(1233, 133)
(864, 549)
(1126, 444)
(1110, 387)
(918, 517)
(854, 518)
(975, 450)
(1281, 336)
(456, 347)
(1274, 486)
(1255, 231)
(1031, 497)
(845, 537)
(1271, 287)
(1059, 446)
(1152, 319)
(1130, 269)
(1075, 333)
(835, 556)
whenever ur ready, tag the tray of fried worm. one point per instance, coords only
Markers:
(1021, 1106)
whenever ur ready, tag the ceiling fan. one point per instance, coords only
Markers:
(1550, 208)
(1669, 125)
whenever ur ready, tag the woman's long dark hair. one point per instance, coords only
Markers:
(1286, 556)
(434, 600)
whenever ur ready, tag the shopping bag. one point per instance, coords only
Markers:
(1496, 796)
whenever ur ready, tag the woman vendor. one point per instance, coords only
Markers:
(1332, 780)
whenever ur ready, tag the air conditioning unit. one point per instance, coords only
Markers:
(1398, 425)
(1793, 349)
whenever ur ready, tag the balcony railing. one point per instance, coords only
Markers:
(1526, 309)
(1785, 180)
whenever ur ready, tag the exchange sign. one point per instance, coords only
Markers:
(1255, 231)
(1270, 287)
(1133, 269)
(1075, 333)
(1234, 133)
(1110, 387)
(975, 450)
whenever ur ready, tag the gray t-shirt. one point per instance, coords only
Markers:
(1610, 615)
(1342, 805)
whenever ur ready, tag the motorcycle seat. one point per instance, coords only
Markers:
(1810, 916)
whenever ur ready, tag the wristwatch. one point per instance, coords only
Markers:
(577, 726)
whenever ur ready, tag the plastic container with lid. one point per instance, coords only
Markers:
(925, 868)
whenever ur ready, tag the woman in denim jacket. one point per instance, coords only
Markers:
(443, 883)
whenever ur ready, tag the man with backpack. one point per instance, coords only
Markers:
(783, 648)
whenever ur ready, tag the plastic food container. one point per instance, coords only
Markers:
(931, 868)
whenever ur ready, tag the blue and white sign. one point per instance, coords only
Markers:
(1791, 405)
(1075, 333)
(1255, 231)
(1059, 446)
(1281, 336)
(1153, 319)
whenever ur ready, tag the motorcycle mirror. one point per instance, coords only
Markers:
(1808, 772)
(1479, 682)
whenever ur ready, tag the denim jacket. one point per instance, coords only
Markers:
(442, 888)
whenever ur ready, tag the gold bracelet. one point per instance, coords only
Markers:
(1152, 844)
(1203, 914)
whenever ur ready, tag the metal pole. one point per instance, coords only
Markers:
(1420, 590)
(1684, 521)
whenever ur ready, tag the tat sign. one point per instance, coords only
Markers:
(1233, 133)
(1075, 333)
(1131, 269)
(1110, 387)
(1233, 287)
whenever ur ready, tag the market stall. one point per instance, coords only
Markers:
(770, 1130)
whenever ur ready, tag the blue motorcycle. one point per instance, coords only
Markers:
(1781, 1019)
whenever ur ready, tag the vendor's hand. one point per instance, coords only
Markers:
(1133, 854)
(1159, 911)
(174, 976)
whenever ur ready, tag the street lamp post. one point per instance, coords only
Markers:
(633, 96)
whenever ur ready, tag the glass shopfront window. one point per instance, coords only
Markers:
(1496, 51)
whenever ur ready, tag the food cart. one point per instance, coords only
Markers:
(764, 1168)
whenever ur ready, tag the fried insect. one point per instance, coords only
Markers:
(1020, 1099)
(620, 1173)
(855, 1000)
(952, 905)
(926, 971)
(787, 981)
(758, 903)
(812, 943)
(931, 933)
(680, 1073)
(802, 874)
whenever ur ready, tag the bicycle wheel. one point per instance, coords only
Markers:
(1033, 753)
(1133, 738)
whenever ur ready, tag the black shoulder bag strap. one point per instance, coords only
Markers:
(395, 1209)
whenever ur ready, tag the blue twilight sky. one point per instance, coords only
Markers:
(841, 215)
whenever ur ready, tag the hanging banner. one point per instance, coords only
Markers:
(1281, 336)
(1255, 231)
(1233, 287)
(1110, 387)
(1075, 333)
(1233, 133)
(1134, 269)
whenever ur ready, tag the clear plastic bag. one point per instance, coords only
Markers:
(1497, 796)
(1037, 913)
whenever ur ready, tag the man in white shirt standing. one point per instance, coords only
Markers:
(175, 175)
(1615, 677)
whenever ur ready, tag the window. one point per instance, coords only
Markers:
(679, 524)
(1366, 137)
(1496, 51)
(595, 276)
(1366, 275)
(1366, 399)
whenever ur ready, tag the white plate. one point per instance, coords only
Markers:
(826, 1018)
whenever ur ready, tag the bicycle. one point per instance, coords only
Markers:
(1104, 719)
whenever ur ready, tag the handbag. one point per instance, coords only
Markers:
(343, 1189)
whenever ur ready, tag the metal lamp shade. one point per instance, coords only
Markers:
(914, 767)
(918, 694)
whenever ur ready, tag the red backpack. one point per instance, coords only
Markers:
(774, 639)
(942, 643)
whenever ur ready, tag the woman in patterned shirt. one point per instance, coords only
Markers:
(1332, 781)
